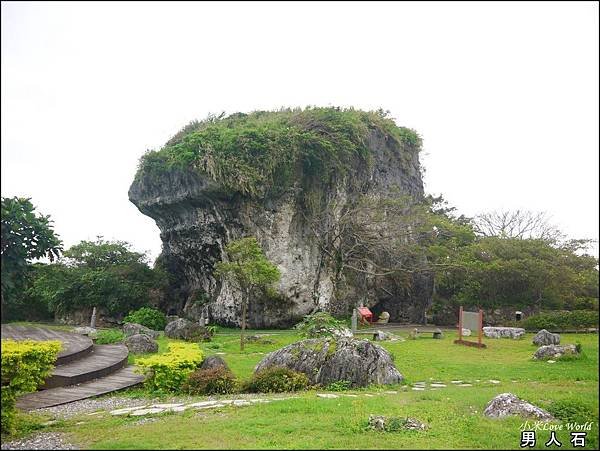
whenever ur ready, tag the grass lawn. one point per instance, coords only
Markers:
(453, 414)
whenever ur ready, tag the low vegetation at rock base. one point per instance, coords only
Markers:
(108, 336)
(25, 365)
(210, 381)
(277, 379)
(146, 316)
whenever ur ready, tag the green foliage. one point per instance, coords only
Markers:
(25, 236)
(339, 386)
(570, 411)
(211, 381)
(169, 371)
(25, 365)
(562, 320)
(319, 324)
(149, 317)
(247, 264)
(109, 336)
(276, 379)
(95, 274)
(263, 152)
(249, 268)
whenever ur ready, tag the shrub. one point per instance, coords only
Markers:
(562, 320)
(149, 317)
(210, 381)
(277, 379)
(318, 325)
(167, 372)
(25, 365)
(339, 386)
(108, 336)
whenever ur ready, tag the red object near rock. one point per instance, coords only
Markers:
(366, 314)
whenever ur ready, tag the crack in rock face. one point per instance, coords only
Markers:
(197, 216)
(327, 360)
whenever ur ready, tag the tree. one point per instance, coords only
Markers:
(516, 224)
(25, 236)
(106, 274)
(249, 269)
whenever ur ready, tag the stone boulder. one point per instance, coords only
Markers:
(140, 344)
(86, 330)
(184, 329)
(466, 332)
(507, 404)
(130, 329)
(504, 332)
(324, 361)
(554, 351)
(395, 424)
(213, 361)
(543, 338)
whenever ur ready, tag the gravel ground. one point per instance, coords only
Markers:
(43, 440)
(71, 409)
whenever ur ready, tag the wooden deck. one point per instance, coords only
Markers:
(102, 361)
(74, 346)
(82, 369)
(119, 380)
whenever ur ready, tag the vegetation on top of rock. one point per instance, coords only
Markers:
(263, 152)
(319, 324)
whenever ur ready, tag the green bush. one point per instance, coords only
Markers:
(277, 379)
(320, 324)
(25, 366)
(149, 317)
(169, 371)
(339, 386)
(562, 320)
(210, 381)
(108, 336)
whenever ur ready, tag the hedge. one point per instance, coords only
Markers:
(169, 371)
(25, 366)
(562, 320)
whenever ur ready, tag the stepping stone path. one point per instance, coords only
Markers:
(201, 405)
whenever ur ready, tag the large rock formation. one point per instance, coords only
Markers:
(329, 360)
(198, 214)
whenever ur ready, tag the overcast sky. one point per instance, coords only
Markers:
(505, 95)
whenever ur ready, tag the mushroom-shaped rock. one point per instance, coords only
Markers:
(140, 344)
(506, 404)
(324, 361)
(543, 338)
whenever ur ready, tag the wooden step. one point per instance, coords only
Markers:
(102, 361)
(74, 346)
(123, 378)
